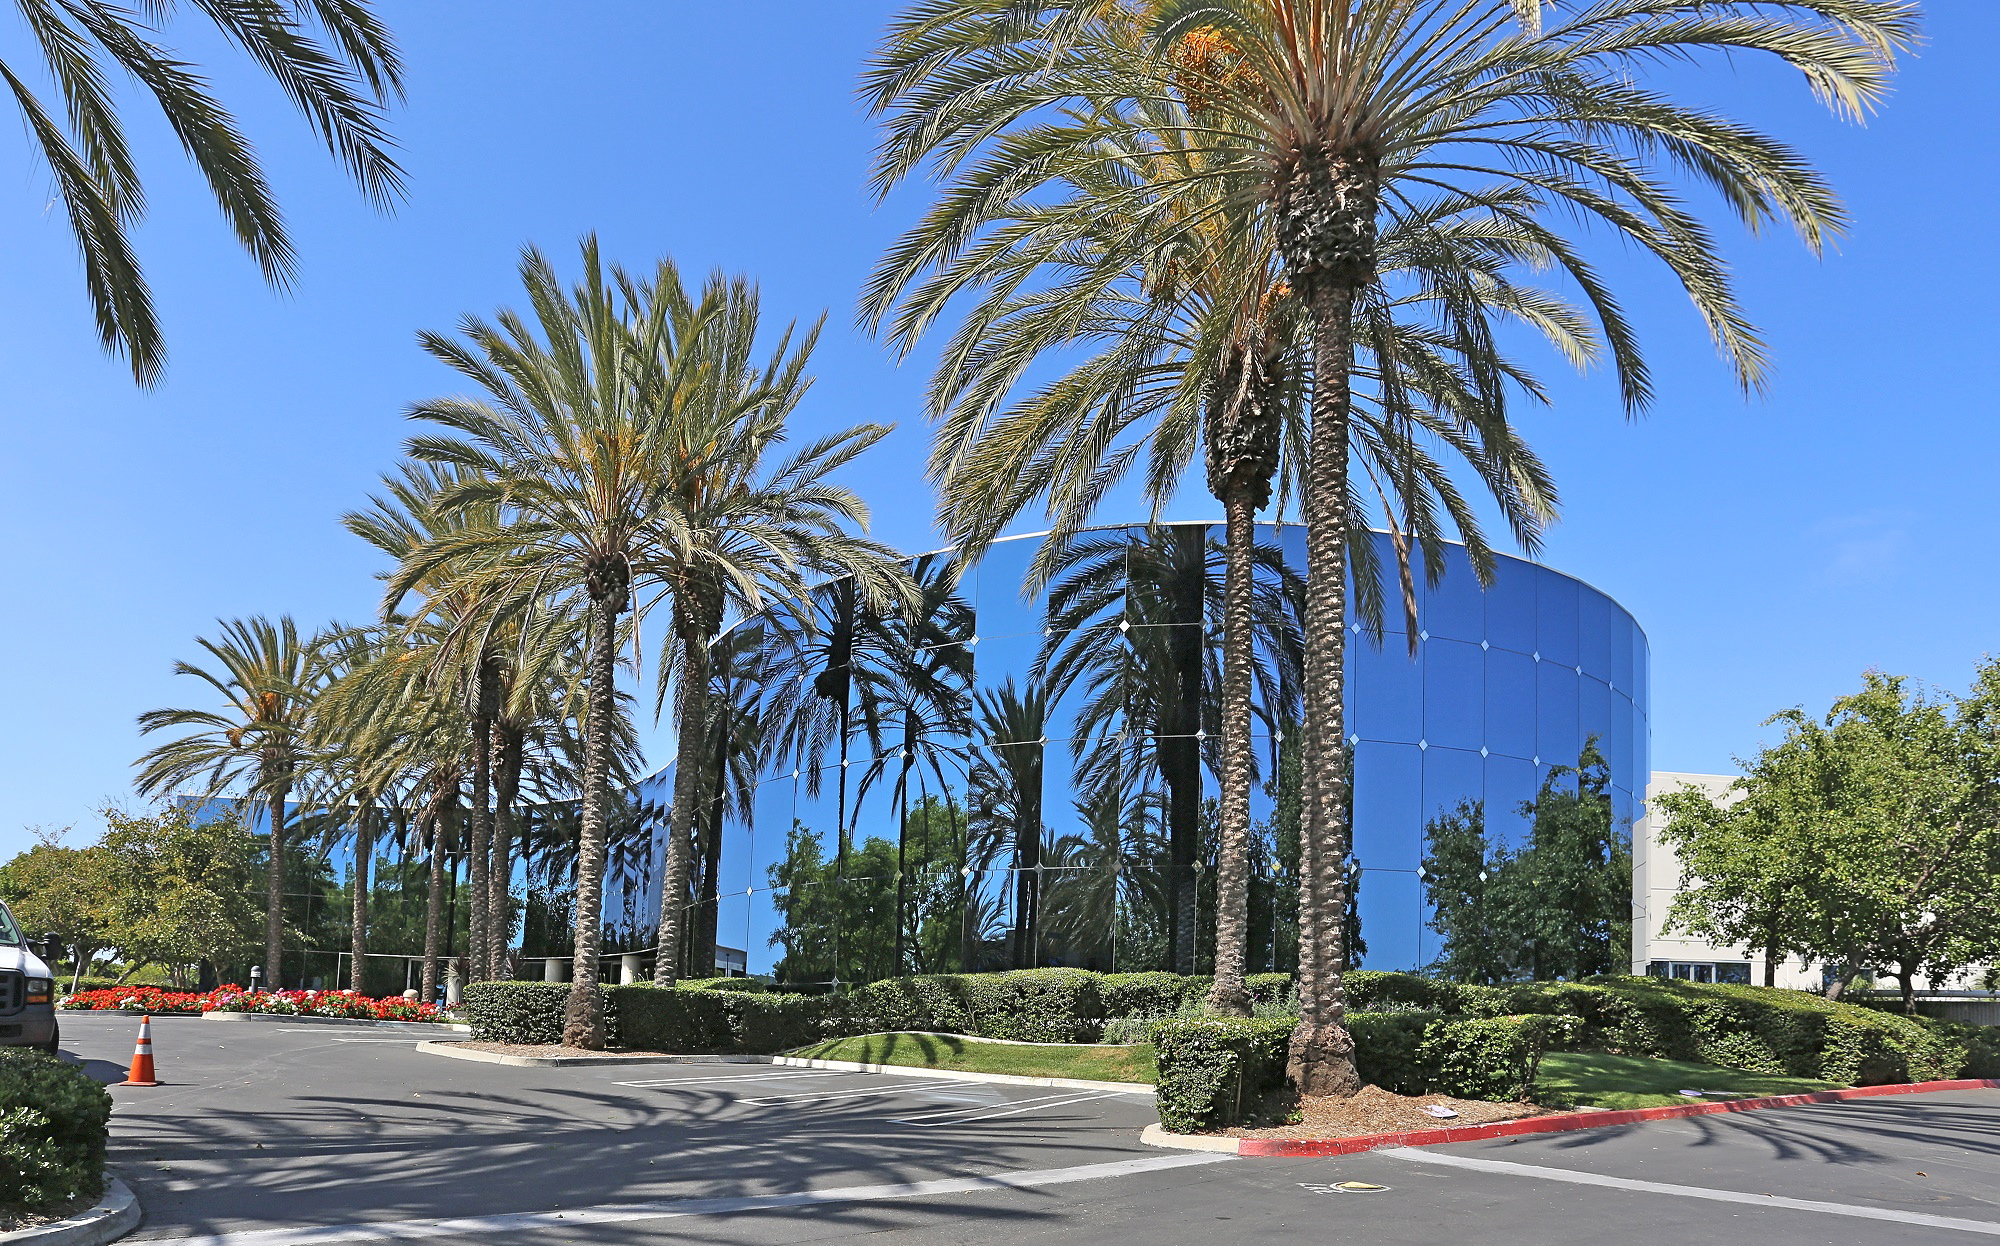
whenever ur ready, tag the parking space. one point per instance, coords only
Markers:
(275, 1135)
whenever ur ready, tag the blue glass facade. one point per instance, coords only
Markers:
(1030, 780)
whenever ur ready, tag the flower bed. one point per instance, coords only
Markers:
(236, 999)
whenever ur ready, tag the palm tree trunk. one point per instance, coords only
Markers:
(1229, 997)
(274, 893)
(507, 745)
(708, 916)
(583, 1019)
(482, 818)
(434, 906)
(689, 749)
(364, 850)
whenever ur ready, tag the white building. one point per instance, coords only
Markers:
(1656, 878)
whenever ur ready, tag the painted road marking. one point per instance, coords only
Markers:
(742, 1077)
(979, 1105)
(1020, 1107)
(810, 1095)
(1988, 1227)
(580, 1217)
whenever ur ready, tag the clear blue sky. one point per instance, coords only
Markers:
(1772, 549)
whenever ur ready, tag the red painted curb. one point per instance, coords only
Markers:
(1283, 1147)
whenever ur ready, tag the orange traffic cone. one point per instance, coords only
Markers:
(141, 1073)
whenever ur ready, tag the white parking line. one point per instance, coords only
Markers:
(1988, 1227)
(980, 1106)
(774, 1100)
(994, 1116)
(743, 1077)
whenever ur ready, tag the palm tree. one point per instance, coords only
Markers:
(1202, 348)
(1004, 798)
(333, 58)
(264, 672)
(578, 448)
(1336, 116)
(741, 526)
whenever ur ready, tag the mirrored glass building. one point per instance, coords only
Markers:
(1016, 780)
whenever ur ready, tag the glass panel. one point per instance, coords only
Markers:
(1598, 620)
(1594, 705)
(1454, 683)
(1454, 607)
(1510, 703)
(1390, 803)
(732, 932)
(1510, 606)
(1622, 645)
(1391, 920)
(1556, 738)
(1510, 785)
(999, 609)
(1642, 672)
(1454, 785)
(1385, 691)
(1618, 748)
(1556, 617)
(1006, 706)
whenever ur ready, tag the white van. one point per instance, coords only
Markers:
(27, 992)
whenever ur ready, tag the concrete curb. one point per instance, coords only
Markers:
(956, 1075)
(407, 1027)
(457, 1052)
(1286, 1148)
(115, 1215)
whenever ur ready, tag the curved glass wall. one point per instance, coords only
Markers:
(1016, 781)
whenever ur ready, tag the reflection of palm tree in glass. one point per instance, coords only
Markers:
(732, 762)
(1005, 802)
(1092, 878)
(1127, 633)
(922, 713)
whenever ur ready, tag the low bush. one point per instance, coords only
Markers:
(770, 1023)
(1037, 1005)
(1368, 990)
(1141, 994)
(652, 1018)
(53, 1121)
(525, 1012)
(1386, 1046)
(750, 986)
(1211, 1070)
(1271, 990)
(934, 1003)
(1421, 1052)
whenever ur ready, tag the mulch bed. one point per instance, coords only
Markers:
(1377, 1111)
(14, 1218)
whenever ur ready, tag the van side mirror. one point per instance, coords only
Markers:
(48, 946)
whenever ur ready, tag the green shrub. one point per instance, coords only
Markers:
(53, 1121)
(526, 1012)
(747, 985)
(1037, 1005)
(684, 1022)
(1369, 989)
(1211, 1070)
(1270, 990)
(1491, 1057)
(773, 1022)
(1386, 1046)
(936, 1003)
(1141, 994)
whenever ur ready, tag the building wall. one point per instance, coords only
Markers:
(1500, 685)
(1656, 879)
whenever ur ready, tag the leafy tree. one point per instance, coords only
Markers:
(1886, 807)
(333, 59)
(1746, 877)
(1559, 906)
(1334, 118)
(180, 887)
(55, 889)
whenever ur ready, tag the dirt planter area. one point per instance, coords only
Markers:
(1377, 1111)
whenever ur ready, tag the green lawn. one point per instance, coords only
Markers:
(1594, 1079)
(933, 1051)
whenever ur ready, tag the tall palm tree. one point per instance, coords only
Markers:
(264, 673)
(742, 524)
(1336, 116)
(578, 448)
(334, 59)
(1004, 797)
(1203, 348)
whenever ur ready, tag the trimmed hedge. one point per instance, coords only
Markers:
(1417, 1053)
(1141, 994)
(748, 985)
(933, 1003)
(53, 1121)
(1037, 1005)
(530, 1013)
(1211, 1070)
(650, 1018)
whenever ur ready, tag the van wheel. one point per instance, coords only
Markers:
(54, 1045)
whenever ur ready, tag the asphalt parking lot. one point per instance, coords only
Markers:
(271, 1134)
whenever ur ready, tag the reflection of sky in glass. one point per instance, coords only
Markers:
(1491, 699)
